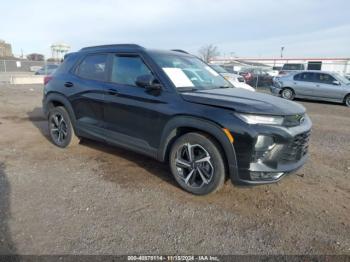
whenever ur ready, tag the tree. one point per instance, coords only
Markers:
(208, 52)
(35, 57)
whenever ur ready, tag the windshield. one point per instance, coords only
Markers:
(342, 79)
(188, 72)
(219, 69)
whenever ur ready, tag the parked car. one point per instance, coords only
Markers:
(291, 67)
(257, 76)
(34, 68)
(142, 100)
(235, 79)
(316, 85)
(47, 70)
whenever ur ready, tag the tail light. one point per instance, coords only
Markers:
(47, 79)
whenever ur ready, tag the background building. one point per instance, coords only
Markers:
(5, 49)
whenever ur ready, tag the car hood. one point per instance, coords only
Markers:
(244, 101)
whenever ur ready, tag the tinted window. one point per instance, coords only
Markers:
(308, 77)
(297, 77)
(314, 66)
(324, 78)
(293, 67)
(126, 69)
(94, 67)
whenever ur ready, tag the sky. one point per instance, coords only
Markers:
(244, 28)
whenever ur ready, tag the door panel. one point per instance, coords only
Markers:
(325, 87)
(132, 114)
(88, 97)
(303, 84)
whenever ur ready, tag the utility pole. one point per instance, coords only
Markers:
(282, 49)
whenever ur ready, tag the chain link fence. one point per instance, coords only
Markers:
(22, 66)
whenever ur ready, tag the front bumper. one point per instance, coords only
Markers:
(288, 153)
(275, 90)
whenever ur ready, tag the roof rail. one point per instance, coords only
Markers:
(179, 50)
(99, 47)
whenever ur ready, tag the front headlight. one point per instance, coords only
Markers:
(261, 119)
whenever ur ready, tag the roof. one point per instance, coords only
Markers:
(111, 47)
(130, 47)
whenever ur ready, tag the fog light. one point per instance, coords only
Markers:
(264, 143)
(265, 176)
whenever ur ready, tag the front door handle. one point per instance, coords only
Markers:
(112, 92)
(68, 84)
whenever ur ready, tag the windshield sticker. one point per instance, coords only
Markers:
(178, 77)
(212, 71)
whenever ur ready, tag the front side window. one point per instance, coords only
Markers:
(93, 67)
(189, 72)
(324, 78)
(126, 69)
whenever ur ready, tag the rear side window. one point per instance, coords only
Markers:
(126, 69)
(324, 78)
(307, 77)
(93, 67)
(297, 77)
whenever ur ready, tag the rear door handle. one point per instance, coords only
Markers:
(68, 84)
(112, 92)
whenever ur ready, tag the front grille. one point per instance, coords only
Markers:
(297, 148)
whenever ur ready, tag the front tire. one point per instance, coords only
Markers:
(347, 100)
(287, 93)
(197, 164)
(60, 128)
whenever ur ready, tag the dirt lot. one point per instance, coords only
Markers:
(96, 199)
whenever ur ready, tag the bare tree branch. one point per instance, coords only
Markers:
(208, 52)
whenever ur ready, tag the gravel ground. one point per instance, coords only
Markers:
(96, 199)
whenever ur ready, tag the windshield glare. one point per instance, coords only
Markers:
(219, 69)
(343, 79)
(189, 72)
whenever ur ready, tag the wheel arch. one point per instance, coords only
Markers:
(347, 95)
(57, 99)
(287, 87)
(181, 125)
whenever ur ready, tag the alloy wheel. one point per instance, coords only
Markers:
(193, 165)
(287, 94)
(58, 128)
(347, 101)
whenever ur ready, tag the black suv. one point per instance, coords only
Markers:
(173, 107)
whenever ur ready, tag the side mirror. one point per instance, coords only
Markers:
(336, 83)
(148, 82)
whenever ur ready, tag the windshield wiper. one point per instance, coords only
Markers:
(223, 87)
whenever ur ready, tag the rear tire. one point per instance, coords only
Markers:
(347, 100)
(287, 93)
(60, 128)
(197, 163)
